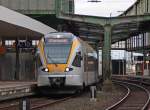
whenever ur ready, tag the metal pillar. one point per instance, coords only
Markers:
(3, 42)
(106, 53)
(144, 52)
(97, 50)
(16, 76)
(93, 93)
(24, 104)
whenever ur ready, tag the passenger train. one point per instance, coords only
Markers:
(66, 60)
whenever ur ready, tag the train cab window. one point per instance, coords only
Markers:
(77, 60)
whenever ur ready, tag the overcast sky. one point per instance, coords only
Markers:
(103, 8)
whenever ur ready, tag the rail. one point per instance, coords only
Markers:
(118, 104)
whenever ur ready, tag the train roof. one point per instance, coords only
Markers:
(59, 35)
(86, 46)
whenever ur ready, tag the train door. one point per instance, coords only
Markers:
(92, 67)
(78, 66)
(85, 73)
(96, 70)
(82, 66)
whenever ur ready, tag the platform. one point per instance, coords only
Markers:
(133, 76)
(145, 79)
(13, 89)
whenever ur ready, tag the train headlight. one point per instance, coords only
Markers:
(46, 69)
(67, 69)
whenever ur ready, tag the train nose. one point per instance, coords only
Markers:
(57, 81)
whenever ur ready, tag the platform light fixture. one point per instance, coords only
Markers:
(94, 1)
(58, 36)
(120, 12)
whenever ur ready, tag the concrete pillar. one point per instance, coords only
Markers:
(106, 54)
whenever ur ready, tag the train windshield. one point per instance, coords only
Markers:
(57, 52)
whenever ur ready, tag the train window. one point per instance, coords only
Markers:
(57, 53)
(77, 60)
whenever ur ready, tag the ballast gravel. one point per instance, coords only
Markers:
(84, 102)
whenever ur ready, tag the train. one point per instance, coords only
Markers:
(64, 60)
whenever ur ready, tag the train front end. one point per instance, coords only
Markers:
(57, 53)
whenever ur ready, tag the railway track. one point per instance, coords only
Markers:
(35, 104)
(137, 98)
(41, 104)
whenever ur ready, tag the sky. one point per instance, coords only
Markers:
(105, 8)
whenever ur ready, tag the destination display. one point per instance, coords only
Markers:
(57, 40)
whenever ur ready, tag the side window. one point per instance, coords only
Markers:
(77, 60)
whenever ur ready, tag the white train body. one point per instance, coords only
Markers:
(66, 60)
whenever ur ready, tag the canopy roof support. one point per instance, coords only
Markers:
(106, 53)
(107, 23)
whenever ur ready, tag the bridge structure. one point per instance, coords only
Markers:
(100, 31)
(41, 10)
(110, 30)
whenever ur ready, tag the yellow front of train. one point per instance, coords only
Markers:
(57, 53)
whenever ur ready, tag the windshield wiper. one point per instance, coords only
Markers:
(51, 60)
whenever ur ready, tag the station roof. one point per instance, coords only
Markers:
(15, 25)
(91, 28)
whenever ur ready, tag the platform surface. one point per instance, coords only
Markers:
(8, 84)
(134, 76)
(16, 89)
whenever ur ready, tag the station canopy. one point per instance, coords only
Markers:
(91, 28)
(15, 25)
